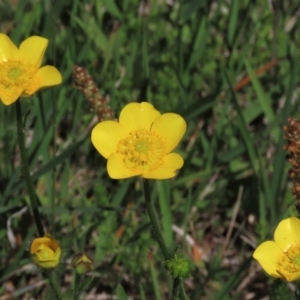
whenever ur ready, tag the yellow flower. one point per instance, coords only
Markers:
(45, 252)
(140, 144)
(20, 72)
(281, 258)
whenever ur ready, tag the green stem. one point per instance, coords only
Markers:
(297, 292)
(183, 294)
(54, 285)
(31, 193)
(151, 213)
(25, 168)
(176, 289)
(76, 286)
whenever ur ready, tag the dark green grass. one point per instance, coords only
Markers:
(184, 57)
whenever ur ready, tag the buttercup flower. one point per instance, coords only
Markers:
(141, 142)
(20, 72)
(281, 258)
(45, 252)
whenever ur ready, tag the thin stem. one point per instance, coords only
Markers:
(53, 100)
(25, 169)
(297, 292)
(151, 213)
(176, 289)
(31, 193)
(76, 286)
(183, 294)
(54, 285)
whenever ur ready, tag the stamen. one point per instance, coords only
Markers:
(289, 263)
(14, 73)
(142, 150)
(17, 75)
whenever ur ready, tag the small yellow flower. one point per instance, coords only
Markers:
(281, 258)
(141, 142)
(45, 252)
(20, 72)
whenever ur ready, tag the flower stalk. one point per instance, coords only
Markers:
(26, 173)
(54, 285)
(153, 220)
(76, 286)
(176, 289)
(32, 196)
(178, 267)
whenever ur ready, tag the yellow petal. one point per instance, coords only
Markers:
(10, 95)
(267, 254)
(46, 241)
(172, 127)
(7, 49)
(136, 116)
(33, 49)
(52, 244)
(291, 276)
(47, 263)
(106, 136)
(116, 168)
(46, 76)
(287, 233)
(171, 163)
(57, 254)
(37, 242)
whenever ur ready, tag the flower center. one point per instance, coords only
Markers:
(14, 73)
(289, 263)
(45, 252)
(142, 146)
(142, 150)
(16, 76)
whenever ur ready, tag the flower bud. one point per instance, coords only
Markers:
(45, 252)
(179, 267)
(82, 263)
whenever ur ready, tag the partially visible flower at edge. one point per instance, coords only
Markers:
(281, 258)
(45, 252)
(20, 72)
(141, 142)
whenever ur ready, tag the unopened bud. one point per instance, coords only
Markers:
(82, 263)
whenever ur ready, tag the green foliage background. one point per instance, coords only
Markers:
(184, 57)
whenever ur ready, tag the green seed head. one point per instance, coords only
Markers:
(179, 267)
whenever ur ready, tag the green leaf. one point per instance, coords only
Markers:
(112, 8)
(121, 295)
